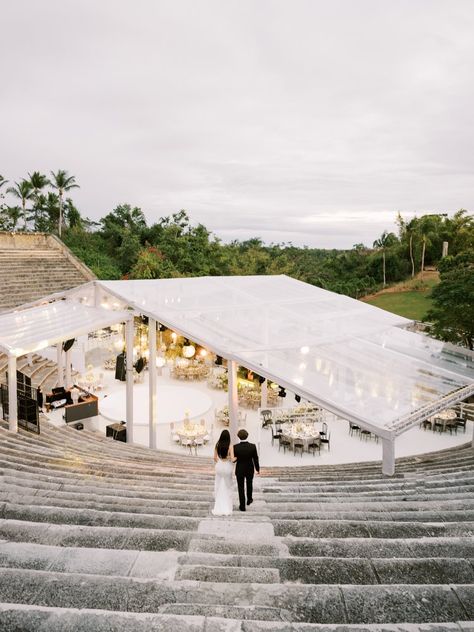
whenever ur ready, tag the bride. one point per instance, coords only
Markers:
(223, 457)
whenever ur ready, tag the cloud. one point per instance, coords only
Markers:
(310, 121)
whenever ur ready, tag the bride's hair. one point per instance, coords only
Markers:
(223, 444)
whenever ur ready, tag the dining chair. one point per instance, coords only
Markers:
(315, 445)
(461, 422)
(353, 428)
(266, 416)
(326, 440)
(324, 431)
(298, 445)
(275, 435)
(451, 425)
(283, 442)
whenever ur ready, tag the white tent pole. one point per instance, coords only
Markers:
(233, 399)
(129, 331)
(12, 395)
(388, 456)
(96, 295)
(152, 383)
(264, 394)
(59, 362)
(68, 368)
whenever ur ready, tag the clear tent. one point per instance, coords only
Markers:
(350, 357)
(35, 328)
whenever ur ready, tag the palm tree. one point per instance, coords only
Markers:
(24, 192)
(62, 182)
(2, 181)
(38, 182)
(385, 241)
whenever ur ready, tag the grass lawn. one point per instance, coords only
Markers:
(411, 304)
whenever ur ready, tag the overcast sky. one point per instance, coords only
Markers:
(299, 120)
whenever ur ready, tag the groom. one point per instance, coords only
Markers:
(247, 463)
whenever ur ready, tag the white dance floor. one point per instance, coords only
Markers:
(174, 403)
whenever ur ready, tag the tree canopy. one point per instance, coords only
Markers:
(123, 245)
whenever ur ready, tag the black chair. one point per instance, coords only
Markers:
(298, 445)
(276, 435)
(326, 440)
(461, 423)
(266, 416)
(283, 441)
(426, 423)
(438, 424)
(451, 425)
(324, 431)
(353, 428)
(315, 445)
(364, 434)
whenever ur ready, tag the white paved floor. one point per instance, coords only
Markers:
(344, 448)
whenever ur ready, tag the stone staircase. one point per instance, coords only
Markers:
(43, 372)
(36, 265)
(100, 535)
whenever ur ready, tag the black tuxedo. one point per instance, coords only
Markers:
(247, 463)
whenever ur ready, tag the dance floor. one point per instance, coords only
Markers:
(174, 403)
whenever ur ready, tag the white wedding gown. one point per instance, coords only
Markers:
(223, 488)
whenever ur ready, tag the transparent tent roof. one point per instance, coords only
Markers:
(352, 358)
(36, 328)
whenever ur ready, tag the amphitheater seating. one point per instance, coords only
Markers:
(55, 268)
(96, 535)
(43, 372)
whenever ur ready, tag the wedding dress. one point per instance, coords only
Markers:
(223, 487)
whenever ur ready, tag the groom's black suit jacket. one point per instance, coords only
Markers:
(247, 458)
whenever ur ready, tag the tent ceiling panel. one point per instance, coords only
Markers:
(39, 327)
(345, 354)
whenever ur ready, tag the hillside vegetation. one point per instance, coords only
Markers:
(122, 244)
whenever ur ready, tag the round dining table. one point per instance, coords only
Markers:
(307, 433)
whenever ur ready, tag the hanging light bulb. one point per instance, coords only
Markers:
(189, 351)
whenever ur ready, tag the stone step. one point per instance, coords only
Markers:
(422, 547)
(240, 575)
(93, 517)
(93, 474)
(42, 619)
(302, 603)
(330, 570)
(101, 486)
(91, 489)
(421, 495)
(95, 537)
(90, 561)
(366, 529)
(206, 545)
(127, 497)
(443, 515)
(378, 505)
(148, 507)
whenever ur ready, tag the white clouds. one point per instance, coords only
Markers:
(267, 118)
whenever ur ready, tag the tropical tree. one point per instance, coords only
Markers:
(152, 264)
(23, 191)
(38, 182)
(9, 217)
(2, 181)
(62, 182)
(382, 243)
(452, 314)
